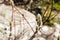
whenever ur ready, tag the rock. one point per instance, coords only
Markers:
(50, 37)
(57, 31)
(39, 38)
(46, 30)
(21, 25)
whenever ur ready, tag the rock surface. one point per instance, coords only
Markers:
(22, 29)
(21, 25)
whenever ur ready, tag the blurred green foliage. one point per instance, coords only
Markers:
(57, 6)
(58, 38)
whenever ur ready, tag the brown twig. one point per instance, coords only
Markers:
(51, 9)
(49, 13)
(46, 9)
(33, 36)
(53, 17)
(25, 19)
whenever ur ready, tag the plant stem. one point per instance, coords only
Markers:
(33, 36)
(51, 9)
(49, 13)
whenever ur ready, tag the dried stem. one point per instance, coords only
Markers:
(51, 9)
(45, 11)
(33, 36)
(53, 17)
(25, 19)
(49, 13)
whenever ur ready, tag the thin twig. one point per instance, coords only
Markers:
(49, 13)
(25, 19)
(51, 9)
(33, 36)
(45, 11)
(53, 17)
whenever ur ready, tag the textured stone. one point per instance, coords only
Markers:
(21, 25)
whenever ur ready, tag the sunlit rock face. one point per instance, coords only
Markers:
(22, 29)
(21, 25)
(39, 38)
(51, 32)
(57, 32)
(46, 30)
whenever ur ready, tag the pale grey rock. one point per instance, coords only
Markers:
(39, 38)
(23, 30)
(46, 30)
(21, 25)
